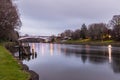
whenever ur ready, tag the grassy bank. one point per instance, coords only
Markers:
(9, 67)
(90, 42)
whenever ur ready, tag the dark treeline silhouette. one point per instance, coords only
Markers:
(9, 21)
(96, 31)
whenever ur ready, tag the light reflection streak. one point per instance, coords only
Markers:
(59, 49)
(33, 48)
(51, 49)
(38, 47)
(42, 49)
(110, 53)
(87, 47)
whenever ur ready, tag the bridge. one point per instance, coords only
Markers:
(34, 38)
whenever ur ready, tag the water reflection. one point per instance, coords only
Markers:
(59, 48)
(51, 49)
(33, 48)
(110, 53)
(87, 47)
(115, 57)
(85, 53)
(78, 61)
(96, 56)
(30, 52)
(42, 49)
(28, 57)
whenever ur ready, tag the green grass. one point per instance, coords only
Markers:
(83, 41)
(91, 42)
(7, 43)
(9, 67)
(78, 41)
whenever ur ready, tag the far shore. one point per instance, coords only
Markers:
(93, 43)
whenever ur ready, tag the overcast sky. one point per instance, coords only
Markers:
(47, 17)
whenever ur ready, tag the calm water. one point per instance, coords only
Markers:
(74, 62)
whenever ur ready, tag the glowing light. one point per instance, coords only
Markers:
(109, 46)
(109, 36)
(110, 53)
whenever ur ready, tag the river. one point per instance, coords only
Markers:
(74, 62)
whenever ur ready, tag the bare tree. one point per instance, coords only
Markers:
(115, 23)
(9, 19)
(76, 34)
(97, 31)
(68, 33)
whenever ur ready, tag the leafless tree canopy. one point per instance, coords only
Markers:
(97, 30)
(115, 23)
(115, 20)
(9, 19)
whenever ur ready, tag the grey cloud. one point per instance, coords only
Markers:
(57, 15)
(57, 9)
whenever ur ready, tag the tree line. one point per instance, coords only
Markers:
(96, 31)
(9, 21)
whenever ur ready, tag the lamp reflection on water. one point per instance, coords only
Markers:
(42, 49)
(34, 54)
(59, 49)
(51, 49)
(110, 53)
(87, 48)
(33, 48)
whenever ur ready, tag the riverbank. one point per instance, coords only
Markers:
(89, 42)
(10, 69)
